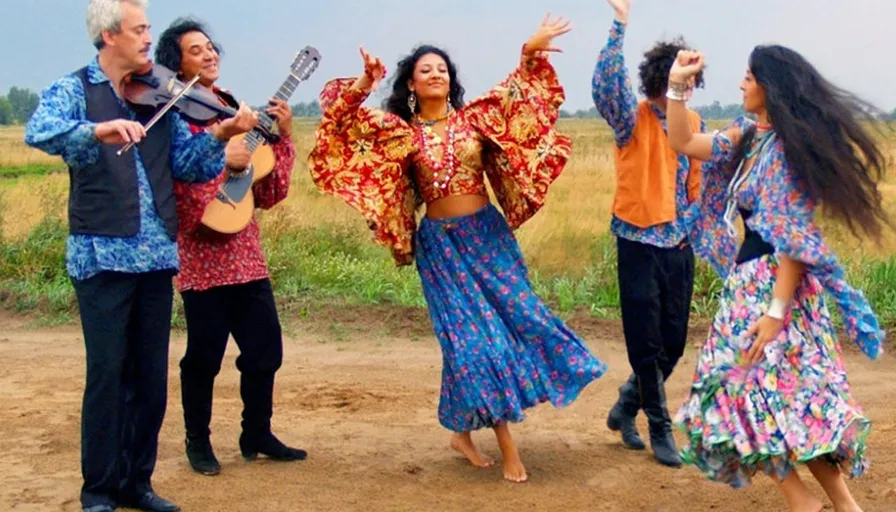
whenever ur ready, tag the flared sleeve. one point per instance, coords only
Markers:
(784, 217)
(361, 155)
(527, 154)
(705, 216)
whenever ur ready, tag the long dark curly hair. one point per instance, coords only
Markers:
(397, 102)
(654, 69)
(826, 138)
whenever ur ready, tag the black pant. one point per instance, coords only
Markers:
(655, 288)
(247, 311)
(126, 319)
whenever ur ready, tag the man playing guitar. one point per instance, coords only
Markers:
(224, 278)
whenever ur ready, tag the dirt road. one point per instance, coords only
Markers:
(359, 390)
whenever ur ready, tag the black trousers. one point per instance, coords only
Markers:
(248, 312)
(126, 320)
(655, 287)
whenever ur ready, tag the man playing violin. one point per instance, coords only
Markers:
(224, 280)
(121, 253)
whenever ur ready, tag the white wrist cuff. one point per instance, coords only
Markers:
(777, 309)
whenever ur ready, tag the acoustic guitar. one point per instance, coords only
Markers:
(233, 206)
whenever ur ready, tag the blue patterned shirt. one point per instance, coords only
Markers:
(612, 92)
(59, 126)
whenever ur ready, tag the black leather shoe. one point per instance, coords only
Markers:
(152, 502)
(268, 444)
(202, 457)
(99, 508)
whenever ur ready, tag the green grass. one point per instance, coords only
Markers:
(29, 170)
(331, 264)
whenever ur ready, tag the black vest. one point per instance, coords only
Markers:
(103, 197)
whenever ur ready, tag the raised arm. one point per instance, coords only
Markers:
(611, 87)
(681, 137)
(361, 155)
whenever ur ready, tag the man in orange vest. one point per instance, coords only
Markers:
(654, 186)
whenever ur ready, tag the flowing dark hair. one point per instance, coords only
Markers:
(397, 102)
(654, 69)
(827, 147)
(168, 52)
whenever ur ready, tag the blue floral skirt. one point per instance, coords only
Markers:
(503, 350)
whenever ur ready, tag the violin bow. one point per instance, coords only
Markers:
(162, 111)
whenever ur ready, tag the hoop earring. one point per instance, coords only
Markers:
(412, 102)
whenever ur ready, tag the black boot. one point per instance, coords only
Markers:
(622, 415)
(257, 390)
(653, 396)
(196, 396)
(252, 444)
(201, 456)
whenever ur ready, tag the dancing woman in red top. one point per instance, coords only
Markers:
(503, 350)
(224, 279)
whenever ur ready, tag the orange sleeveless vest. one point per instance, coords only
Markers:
(645, 172)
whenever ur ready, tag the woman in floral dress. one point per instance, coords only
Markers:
(770, 389)
(503, 350)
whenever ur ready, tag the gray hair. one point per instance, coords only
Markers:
(105, 15)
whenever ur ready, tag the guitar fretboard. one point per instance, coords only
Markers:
(254, 139)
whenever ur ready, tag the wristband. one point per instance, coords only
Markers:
(776, 309)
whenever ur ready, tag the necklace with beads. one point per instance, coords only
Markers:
(443, 169)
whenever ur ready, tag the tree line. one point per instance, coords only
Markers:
(18, 105)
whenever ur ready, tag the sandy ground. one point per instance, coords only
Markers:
(359, 390)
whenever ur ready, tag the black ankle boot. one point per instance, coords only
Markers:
(201, 456)
(653, 396)
(622, 415)
(268, 444)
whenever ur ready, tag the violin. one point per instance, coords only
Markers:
(157, 87)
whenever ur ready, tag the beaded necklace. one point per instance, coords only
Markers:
(445, 167)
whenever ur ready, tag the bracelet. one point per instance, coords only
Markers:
(776, 309)
(679, 86)
(678, 96)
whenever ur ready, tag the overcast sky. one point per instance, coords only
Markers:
(852, 42)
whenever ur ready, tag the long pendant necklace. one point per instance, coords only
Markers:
(443, 168)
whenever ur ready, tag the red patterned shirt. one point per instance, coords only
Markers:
(209, 259)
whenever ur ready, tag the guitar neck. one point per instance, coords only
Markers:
(254, 139)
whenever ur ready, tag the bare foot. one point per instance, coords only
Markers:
(463, 443)
(812, 505)
(514, 469)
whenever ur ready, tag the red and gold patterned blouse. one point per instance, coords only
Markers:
(364, 156)
(209, 259)
(440, 172)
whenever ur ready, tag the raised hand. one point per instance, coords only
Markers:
(622, 7)
(374, 71)
(686, 66)
(547, 31)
